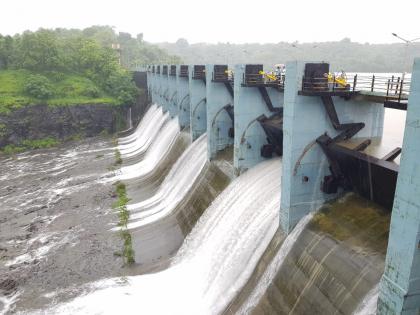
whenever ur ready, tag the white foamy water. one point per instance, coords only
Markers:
(274, 266)
(215, 261)
(157, 151)
(141, 126)
(369, 303)
(146, 137)
(174, 188)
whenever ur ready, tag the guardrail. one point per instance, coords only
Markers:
(261, 79)
(392, 88)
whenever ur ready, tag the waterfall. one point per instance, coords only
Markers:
(369, 303)
(215, 261)
(274, 266)
(147, 136)
(157, 151)
(176, 185)
(143, 124)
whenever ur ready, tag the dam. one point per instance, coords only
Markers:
(253, 192)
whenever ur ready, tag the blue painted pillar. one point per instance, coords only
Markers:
(305, 119)
(400, 284)
(198, 112)
(165, 90)
(218, 120)
(183, 95)
(249, 135)
(156, 85)
(172, 92)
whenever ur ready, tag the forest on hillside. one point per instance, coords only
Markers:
(72, 66)
(345, 54)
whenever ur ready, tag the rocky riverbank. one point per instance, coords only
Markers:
(61, 123)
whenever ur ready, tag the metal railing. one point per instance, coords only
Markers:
(225, 76)
(183, 71)
(391, 88)
(253, 79)
(172, 70)
(199, 75)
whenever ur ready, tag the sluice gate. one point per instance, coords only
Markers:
(308, 116)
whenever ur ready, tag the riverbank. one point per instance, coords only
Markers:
(55, 223)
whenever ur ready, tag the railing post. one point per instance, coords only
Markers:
(373, 83)
(354, 82)
(401, 90)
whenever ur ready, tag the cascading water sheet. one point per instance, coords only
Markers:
(274, 266)
(215, 261)
(174, 188)
(146, 138)
(143, 124)
(157, 151)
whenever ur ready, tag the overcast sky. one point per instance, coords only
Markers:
(235, 21)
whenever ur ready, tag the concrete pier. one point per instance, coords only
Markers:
(249, 105)
(400, 284)
(198, 102)
(219, 110)
(158, 86)
(304, 163)
(183, 95)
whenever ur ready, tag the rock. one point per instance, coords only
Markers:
(59, 122)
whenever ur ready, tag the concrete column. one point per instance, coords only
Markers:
(183, 98)
(304, 164)
(400, 284)
(218, 120)
(172, 99)
(159, 87)
(198, 112)
(249, 135)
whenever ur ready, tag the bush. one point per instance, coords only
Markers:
(91, 91)
(121, 86)
(39, 87)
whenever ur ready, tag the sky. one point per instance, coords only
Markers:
(234, 21)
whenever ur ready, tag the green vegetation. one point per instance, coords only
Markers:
(118, 159)
(22, 87)
(30, 145)
(123, 215)
(67, 67)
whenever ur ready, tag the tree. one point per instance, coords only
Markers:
(38, 51)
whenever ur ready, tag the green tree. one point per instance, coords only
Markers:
(38, 51)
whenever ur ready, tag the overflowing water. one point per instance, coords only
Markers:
(274, 266)
(369, 303)
(333, 267)
(214, 262)
(153, 110)
(145, 135)
(176, 185)
(157, 151)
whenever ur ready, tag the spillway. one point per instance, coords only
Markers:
(144, 122)
(175, 186)
(145, 138)
(157, 151)
(159, 224)
(214, 262)
(333, 267)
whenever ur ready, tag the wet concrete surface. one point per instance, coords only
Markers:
(55, 220)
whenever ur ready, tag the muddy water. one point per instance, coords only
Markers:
(54, 223)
